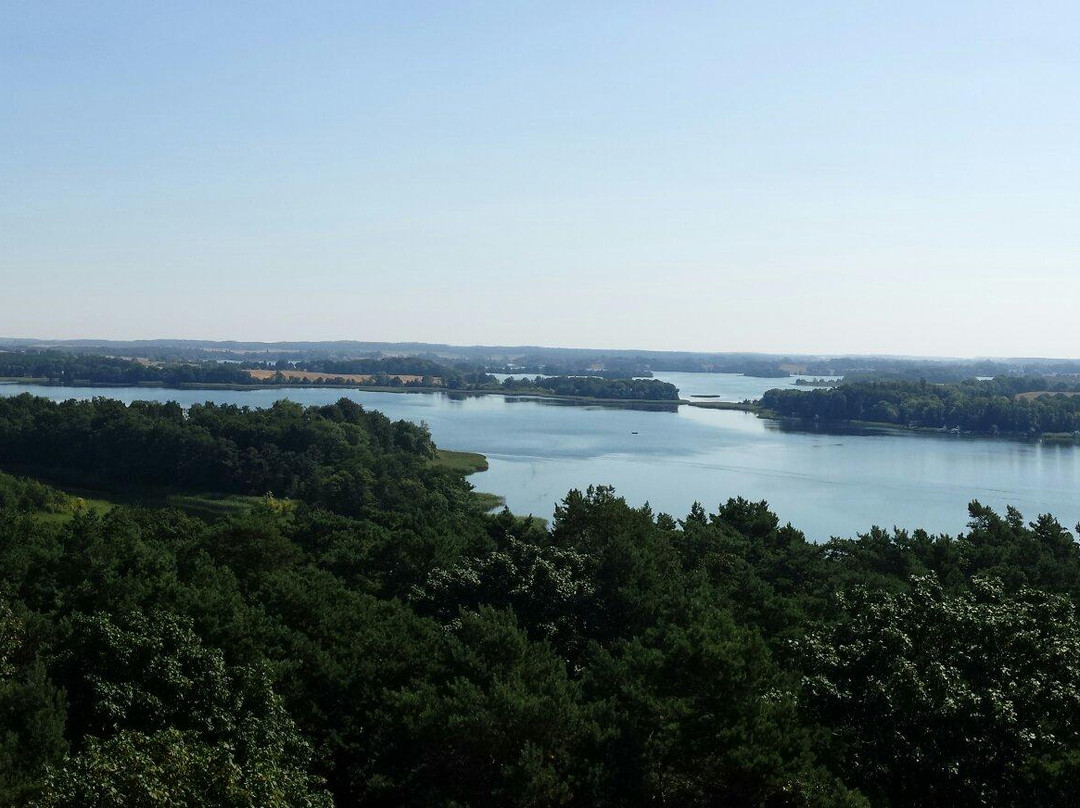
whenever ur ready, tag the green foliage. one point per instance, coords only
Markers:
(376, 639)
(982, 406)
(173, 768)
(697, 714)
(32, 713)
(165, 721)
(67, 368)
(461, 462)
(500, 725)
(339, 455)
(970, 699)
(594, 387)
(550, 589)
(24, 494)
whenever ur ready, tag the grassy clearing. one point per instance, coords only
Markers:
(205, 506)
(212, 506)
(74, 505)
(83, 495)
(461, 462)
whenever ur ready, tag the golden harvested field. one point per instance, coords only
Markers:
(310, 375)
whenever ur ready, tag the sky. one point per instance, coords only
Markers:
(827, 177)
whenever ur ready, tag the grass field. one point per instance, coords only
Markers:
(211, 506)
(462, 462)
(75, 505)
(206, 506)
(83, 498)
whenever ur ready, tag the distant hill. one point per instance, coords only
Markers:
(541, 359)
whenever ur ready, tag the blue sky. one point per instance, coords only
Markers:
(803, 177)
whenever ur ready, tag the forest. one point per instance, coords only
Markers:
(988, 407)
(594, 387)
(70, 368)
(368, 635)
(62, 367)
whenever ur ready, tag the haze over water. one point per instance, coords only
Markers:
(825, 484)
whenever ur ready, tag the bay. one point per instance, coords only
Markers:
(825, 484)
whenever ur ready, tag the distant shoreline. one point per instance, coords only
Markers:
(884, 427)
(635, 403)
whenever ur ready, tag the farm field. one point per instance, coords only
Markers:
(312, 376)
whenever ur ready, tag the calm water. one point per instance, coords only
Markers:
(716, 386)
(729, 386)
(824, 484)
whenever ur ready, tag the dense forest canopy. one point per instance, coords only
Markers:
(1025, 405)
(385, 642)
(595, 387)
(342, 456)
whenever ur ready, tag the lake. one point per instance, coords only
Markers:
(825, 484)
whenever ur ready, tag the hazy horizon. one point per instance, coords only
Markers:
(8, 339)
(841, 179)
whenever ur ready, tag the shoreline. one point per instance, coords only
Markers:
(738, 406)
(655, 405)
(884, 427)
(635, 403)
